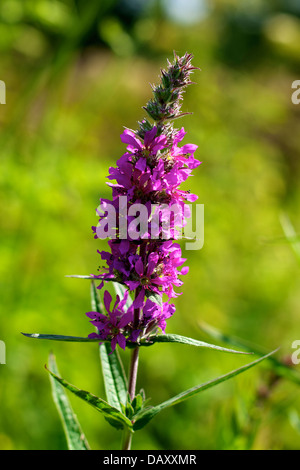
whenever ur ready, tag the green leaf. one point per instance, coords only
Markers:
(115, 382)
(83, 276)
(184, 340)
(129, 410)
(137, 403)
(80, 276)
(75, 339)
(74, 435)
(113, 415)
(280, 368)
(143, 418)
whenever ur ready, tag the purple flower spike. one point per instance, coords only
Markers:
(144, 256)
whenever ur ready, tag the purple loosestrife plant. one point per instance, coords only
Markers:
(149, 174)
(144, 263)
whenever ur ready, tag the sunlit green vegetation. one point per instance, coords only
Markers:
(76, 73)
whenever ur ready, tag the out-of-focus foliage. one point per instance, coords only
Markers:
(76, 73)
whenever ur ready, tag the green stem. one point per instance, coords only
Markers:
(127, 434)
(133, 372)
(126, 441)
(135, 356)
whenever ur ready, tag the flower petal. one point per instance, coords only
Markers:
(139, 267)
(107, 298)
(128, 137)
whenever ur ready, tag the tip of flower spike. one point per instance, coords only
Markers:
(165, 105)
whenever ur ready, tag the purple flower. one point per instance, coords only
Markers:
(114, 325)
(155, 315)
(150, 146)
(117, 326)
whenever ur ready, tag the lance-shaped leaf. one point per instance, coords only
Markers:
(172, 338)
(83, 276)
(114, 377)
(115, 382)
(74, 339)
(76, 440)
(113, 415)
(143, 418)
(279, 367)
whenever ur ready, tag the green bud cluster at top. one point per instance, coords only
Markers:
(166, 102)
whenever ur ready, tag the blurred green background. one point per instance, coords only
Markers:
(76, 73)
